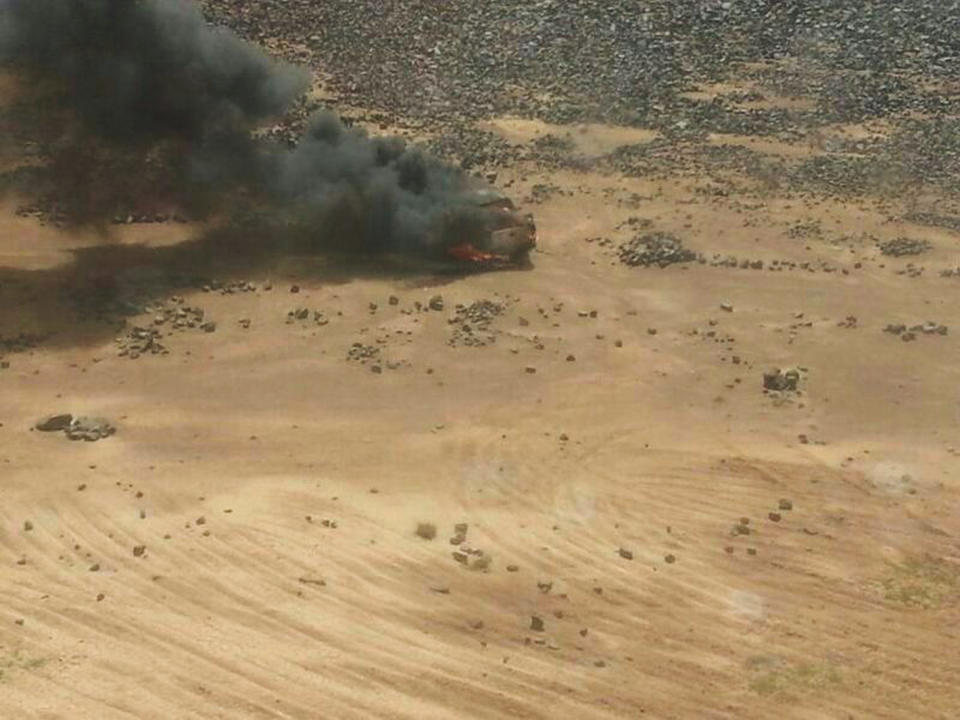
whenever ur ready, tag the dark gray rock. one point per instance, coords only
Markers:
(781, 381)
(54, 423)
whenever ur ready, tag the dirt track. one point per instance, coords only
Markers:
(305, 592)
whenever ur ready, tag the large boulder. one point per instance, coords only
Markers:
(54, 423)
(90, 429)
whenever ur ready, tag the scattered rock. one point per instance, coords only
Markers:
(660, 249)
(907, 334)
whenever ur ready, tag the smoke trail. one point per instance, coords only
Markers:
(149, 79)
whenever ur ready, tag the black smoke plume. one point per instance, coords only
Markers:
(146, 98)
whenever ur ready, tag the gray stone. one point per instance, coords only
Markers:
(54, 423)
(90, 429)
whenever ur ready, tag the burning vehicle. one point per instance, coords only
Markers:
(169, 90)
(495, 235)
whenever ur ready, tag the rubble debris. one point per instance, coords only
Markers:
(80, 427)
(169, 317)
(139, 341)
(361, 353)
(229, 287)
(472, 323)
(781, 381)
(910, 333)
(903, 246)
(658, 248)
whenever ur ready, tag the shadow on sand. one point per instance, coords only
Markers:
(89, 299)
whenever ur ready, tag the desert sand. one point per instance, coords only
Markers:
(649, 533)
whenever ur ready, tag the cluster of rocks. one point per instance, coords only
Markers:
(911, 270)
(363, 354)
(139, 341)
(542, 192)
(470, 557)
(303, 313)
(744, 528)
(146, 218)
(231, 287)
(80, 427)
(45, 211)
(908, 334)
(639, 256)
(371, 355)
(783, 381)
(173, 316)
(654, 249)
(806, 229)
(732, 261)
(472, 323)
(904, 246)
(775, 265)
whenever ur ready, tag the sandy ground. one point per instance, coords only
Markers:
(272, 488)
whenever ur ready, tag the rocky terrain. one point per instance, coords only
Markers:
(698, 461)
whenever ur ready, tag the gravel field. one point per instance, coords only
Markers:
(637, 63)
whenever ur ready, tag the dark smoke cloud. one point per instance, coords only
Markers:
(149, 78)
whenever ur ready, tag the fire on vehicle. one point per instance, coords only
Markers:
(499, 236)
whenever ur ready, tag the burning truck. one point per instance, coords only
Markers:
(503, 237)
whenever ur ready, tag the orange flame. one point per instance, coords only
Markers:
(468, 253)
